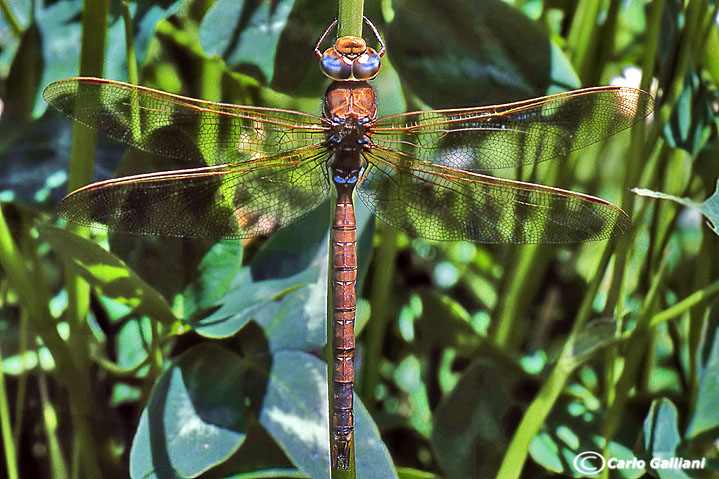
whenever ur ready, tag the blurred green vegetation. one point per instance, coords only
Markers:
(155, 357)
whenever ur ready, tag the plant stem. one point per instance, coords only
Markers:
(82, 152)
(6, 427)
(49, 421)
(381, 302)
(132, 74)
(11, 19)
(350, 18)
(582, 36)
(685, 305)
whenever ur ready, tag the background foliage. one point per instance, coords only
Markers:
(186, 358)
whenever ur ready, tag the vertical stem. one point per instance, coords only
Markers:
(350, 18)
(132, 73)
(10, 17)
(582, 35)
(92, 54)
(6, 428)
(381, 301)
(49, 421)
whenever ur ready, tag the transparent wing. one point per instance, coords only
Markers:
(514, 134)
(225, 201)
(441, 203)
(176, 126)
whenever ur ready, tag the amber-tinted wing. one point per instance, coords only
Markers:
(164, 124)
(441, 203)
(229, 201)
(238, 172)
(514, 134)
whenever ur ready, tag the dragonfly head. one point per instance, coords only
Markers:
(350, 59)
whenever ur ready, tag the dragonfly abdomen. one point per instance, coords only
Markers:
(344, 281)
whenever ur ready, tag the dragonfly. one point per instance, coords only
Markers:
(247, 171)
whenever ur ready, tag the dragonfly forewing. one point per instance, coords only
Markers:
(515, 134)
(157, 122)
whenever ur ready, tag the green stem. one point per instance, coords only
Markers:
(381, 302)
(49, 421)
(82, 152)
(349, 18)
(635, 351)
(582, 34)
(685, 305)
(532, 422)
(521, 285)
(6, 427)
(132, 74)
(10, 17)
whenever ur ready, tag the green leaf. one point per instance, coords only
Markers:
(110, 275)
(284, 289)
(195, 418)
(145, 16)
(572, 430)
(692, 121)
(295, 414)
(472, 419)
(132, 342)
(9, 40)
(60, 29)
(245, 33)
(409, 473)
(661, 436)
(34, 172)
(705, 417)
(270, 302)
(439, 48)
(709, 208)
(215, 273)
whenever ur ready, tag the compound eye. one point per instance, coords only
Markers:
(367, 65)
(335, 66)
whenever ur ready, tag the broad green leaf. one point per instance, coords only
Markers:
(572, 432)
(132, 342)
(10, 40)
(214, 274)
(110, 275)
(474, 417)
(196, 415)
(145, 16)
(661, 436)
(709, 208)
(692, 121)
(34, 170)
(245, 33)
(284, 289)
(409, 473)
(462, 53)
(286, 308)
(60, 29)
(705, 416)
(295, 414)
